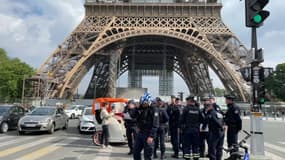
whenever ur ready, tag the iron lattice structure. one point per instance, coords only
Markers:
(194, 36)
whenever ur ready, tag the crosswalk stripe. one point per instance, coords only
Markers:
(273, 156)
(3, 144)
(5, 137)
(275, 147)
(103, 154)
(281, 142)
(39, 153)
(10, 151)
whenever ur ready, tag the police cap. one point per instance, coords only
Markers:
(230, 96)
(158, 99)
(211, 96)
(131, 101)
(190, 98)
(172, 96)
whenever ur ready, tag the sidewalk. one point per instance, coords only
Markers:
(270, 119)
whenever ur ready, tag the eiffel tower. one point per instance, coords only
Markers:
(145, 38)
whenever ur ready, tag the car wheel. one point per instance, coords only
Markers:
(4, 127)
(72, 116)
(66, 125)
(51, 131)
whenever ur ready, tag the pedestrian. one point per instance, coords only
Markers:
(105, 116)
(190, 121)
(232, 120)
(216, 131)
(147, 122)
(204, 129)
(174, 112)
(130, 124)
(160, 138)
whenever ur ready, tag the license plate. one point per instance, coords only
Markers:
(30, 125)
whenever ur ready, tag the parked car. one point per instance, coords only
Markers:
(88, 123)
(44, 118)
(74, 111)
(9, 117)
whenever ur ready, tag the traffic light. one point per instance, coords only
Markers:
(255, 15)
(261, 87)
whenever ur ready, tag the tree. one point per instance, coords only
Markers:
(276, 82)
(219, 92)
(12, 72)
(3, 55)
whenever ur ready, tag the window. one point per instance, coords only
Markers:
(21, 111)
(14, 111)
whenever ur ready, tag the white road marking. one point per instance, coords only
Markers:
(5, 137)
(19, 148)
(275, 147)
(273, 156)
(282, 143)
(103, 154)
(15, 140)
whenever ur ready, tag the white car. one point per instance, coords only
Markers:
(74, 111)
(88, 123)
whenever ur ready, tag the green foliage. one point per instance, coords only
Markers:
(219, 92)
(276, 82)
(12, 72)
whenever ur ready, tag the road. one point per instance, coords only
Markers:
(70, 145)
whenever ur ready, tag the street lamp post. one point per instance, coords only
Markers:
(95, 83)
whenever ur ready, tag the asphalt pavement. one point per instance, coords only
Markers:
(70, 145)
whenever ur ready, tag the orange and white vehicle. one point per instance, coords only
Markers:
(117, 129)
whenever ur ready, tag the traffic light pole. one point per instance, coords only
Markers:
(256, 125)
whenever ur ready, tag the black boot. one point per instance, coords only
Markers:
(155, 155)
(175, 155)
(130, 152)
(162, 156)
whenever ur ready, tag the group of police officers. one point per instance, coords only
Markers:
(189, 127)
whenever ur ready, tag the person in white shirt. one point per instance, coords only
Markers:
(105, 116)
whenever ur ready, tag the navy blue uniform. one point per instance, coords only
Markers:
(160, 138)
(234, 123)
(147, 123)
(204, 135)
(190, 123)
(216, 134)
(174, 112)
(131, 128)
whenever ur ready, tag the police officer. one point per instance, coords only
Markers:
(174, 111)
(130, 124)
(204, 128)
(215, 105)
(163, 119)
(189, 123)
(232, 120)
(216, 132)
(147, 123)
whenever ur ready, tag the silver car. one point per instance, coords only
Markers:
(43, 118)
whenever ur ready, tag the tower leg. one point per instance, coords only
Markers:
(113, 71)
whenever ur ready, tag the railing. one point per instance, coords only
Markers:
(154, 1)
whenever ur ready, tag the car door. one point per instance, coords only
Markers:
(64, 117)
(58, 118)
(13, 117)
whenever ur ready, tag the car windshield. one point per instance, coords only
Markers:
(43, 111)
(88, 112)
(4, 109)
(71, 107)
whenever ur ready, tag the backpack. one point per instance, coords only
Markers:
(98, 117)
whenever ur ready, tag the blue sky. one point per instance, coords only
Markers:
(32, 29)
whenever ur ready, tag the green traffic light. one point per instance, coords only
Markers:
(257, 18)
(262, 100)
